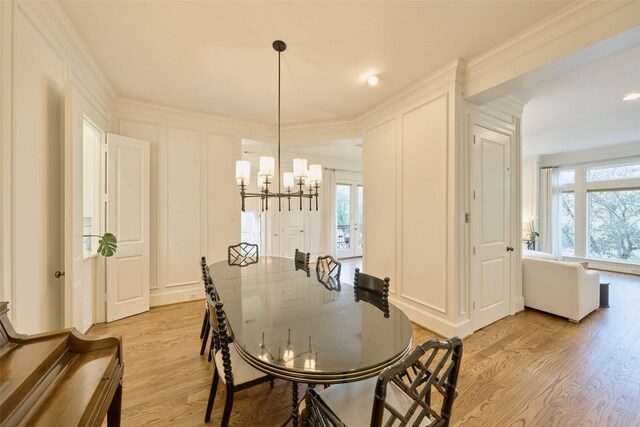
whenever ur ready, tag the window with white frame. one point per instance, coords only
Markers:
(600, 211)
(92, 139)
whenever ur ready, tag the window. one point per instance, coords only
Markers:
(614, 224)
(92, 138)
(600, 211)
(609, 173)
(567, 176)
(568, 221)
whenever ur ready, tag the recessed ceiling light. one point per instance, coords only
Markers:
(631, 96)
(371, 79)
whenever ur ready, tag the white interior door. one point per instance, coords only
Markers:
(490, 225)
(128, 218)
(72, 224)
(292, 231)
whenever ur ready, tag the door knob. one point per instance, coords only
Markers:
(58, 274)
(510, 249)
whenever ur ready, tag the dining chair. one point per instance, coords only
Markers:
(379, 302)
(301, 260)
(417, 390)
(243, 254)
(204, 332)
(229, 367)
(368, 283)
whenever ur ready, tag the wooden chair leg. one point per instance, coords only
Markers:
(228, 404)
(211, 348)
(115, 408)
(294, 403)
(212, 395)
(206, 337)
(204, 324)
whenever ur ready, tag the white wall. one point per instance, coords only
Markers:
(195, 202)
(412, 163)
(40, 53)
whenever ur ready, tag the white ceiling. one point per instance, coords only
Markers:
(583, 108)
(216, 56)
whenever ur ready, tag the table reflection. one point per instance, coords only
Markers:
(315, 328)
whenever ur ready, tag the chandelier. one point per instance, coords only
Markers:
(302, 183)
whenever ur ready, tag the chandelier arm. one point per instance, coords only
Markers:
(301, 193)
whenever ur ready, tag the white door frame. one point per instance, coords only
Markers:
(355, 181)
(477, 118)
(72, 220)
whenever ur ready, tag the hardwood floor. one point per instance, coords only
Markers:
(531, 369)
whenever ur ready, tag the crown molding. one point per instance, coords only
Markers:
(300, 133)
(78, 51)
(612, 152)
(318, 131)
(511, 105)
(550, 39)
(156, 112)
(444, 76)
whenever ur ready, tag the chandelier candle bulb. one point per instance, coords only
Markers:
(299, 168)
(243, 172)
(267, 166)
(262, 182)
(315, 174)
(287, 180)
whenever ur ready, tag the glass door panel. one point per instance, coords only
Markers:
(360, 224)
(343, 221)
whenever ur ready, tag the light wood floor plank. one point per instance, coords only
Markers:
(531, 369)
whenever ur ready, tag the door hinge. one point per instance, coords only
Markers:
(474, 305)
(474, 139)
(474, 194)
(474, 250)
(467, 218)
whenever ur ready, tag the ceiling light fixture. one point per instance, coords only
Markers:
(371, 79)
(631, 96)
(301, 177)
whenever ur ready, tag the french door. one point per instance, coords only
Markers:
(349, 225)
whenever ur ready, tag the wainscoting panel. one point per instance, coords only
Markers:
(183, 235)
(379, 178)
(424, 204)
(222, 195)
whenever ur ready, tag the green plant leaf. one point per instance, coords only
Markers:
(107, 245)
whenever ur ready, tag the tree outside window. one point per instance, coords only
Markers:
(568, 223)
(614, 224)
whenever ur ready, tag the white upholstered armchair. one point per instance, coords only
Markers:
(562, 288)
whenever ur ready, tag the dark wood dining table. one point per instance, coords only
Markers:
(305, 327)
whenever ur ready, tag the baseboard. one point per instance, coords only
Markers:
(87, 324)
(435, 324)
(188, 294)
(518, 305)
